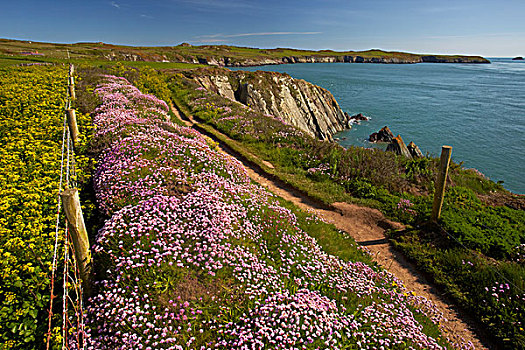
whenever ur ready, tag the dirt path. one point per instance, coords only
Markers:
(367, 226)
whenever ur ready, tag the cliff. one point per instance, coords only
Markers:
(222, 55)
(384, 59)
(297, 102)
(231, 56)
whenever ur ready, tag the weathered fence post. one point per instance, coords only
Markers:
(72, 123)
(71, 89)
(71, 81)
(79, 236)
(439, 193)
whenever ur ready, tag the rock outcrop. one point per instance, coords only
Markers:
(224, 61)
(398, 146)
(383, 135)
(123, 56)
(519, 58)
(299, 103)
(414, 150)
(355, 119)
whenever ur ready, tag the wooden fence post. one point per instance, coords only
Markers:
(71, 70)
(72, 123)
(71, 89)
(439, 193)
(79, 236)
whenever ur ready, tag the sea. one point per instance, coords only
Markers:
(478, 109)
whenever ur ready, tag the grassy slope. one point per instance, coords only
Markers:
(407, 248)
(330, 239)
(7, 60)
(183, 53)
(472, 226)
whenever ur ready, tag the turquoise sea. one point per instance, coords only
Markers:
(479, 110)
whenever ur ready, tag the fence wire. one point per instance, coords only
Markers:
(71, 323)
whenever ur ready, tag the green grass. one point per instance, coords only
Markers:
(18, 60)
(11, 60)
(472, 280)
(381, 180)
(333, 241)
(161, 65)
(101, 52)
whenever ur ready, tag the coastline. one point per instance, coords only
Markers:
(226, 62)
(436, 96)
(221, 55)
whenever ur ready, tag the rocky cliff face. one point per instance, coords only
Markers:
(297, 102)
(259, 61)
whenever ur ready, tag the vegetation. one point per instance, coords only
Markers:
(491, 290)
(14, 60)
(196, 256)
(400, 187)
(476, 244)
(32, 102)
(227, 55)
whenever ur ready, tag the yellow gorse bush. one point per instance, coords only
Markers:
(32, 102)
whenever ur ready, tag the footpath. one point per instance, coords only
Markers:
(366, 225)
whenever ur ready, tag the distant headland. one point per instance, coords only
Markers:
(222, 55)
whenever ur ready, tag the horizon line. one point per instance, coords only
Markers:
(251, 47)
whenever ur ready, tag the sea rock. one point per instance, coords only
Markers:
(398, 146)
(519, 58)
(414, 150)
(358, 117)
(383, 135)
(355, 119)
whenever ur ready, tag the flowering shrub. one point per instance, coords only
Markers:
(32, 102)
(330, 174)
(406, 211)
(195, 256)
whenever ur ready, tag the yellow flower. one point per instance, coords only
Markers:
(32, 102)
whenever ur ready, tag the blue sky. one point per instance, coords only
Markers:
(481, 27)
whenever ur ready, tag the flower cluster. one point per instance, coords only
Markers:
(405, 206)
(32, 102)
(195, 256)
(323, 169)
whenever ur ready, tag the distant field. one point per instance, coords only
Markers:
(35, 60)
(227, 55)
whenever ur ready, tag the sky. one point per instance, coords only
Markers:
(471, 27)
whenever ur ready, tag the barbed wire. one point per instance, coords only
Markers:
(72, 293)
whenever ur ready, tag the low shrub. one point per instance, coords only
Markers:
(203, 258)
(32, 106)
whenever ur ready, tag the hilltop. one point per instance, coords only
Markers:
(218, 55)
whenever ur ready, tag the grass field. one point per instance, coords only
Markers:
(188, 53)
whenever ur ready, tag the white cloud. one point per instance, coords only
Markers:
(222, 4)
(212, 36)
(209, 41)
(114, 4)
